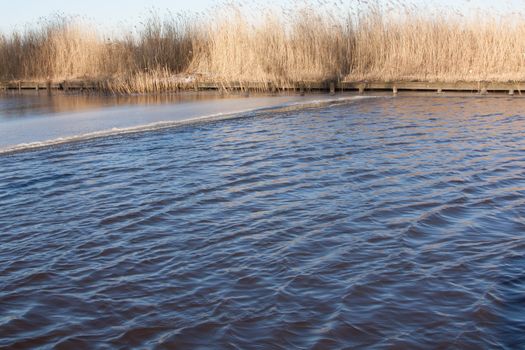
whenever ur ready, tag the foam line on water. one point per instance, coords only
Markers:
(289, 106)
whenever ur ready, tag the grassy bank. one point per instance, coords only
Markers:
(310, 42)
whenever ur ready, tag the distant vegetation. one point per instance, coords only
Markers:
(312, 42)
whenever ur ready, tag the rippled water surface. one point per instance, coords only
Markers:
(387, 222)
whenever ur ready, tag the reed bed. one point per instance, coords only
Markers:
(275, 48)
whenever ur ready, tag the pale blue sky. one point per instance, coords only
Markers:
(115, 14)
(17, 13)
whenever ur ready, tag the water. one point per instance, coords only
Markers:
(386, 223)
(34, 120)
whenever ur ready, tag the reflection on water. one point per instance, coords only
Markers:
(31, 104)
(387, 223)
(32, 119)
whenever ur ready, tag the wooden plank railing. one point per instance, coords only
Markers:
(329, 86)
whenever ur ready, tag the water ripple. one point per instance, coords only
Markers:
(387, 223)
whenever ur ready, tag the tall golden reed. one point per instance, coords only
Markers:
(311, 42)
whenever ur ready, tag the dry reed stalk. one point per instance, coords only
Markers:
(275, 50)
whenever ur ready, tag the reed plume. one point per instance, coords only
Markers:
(311, 42)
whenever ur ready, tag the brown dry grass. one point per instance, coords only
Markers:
(310, 43)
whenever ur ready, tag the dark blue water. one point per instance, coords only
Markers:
(386, 223)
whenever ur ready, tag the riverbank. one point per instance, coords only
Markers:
(308, 44)
(177, 84)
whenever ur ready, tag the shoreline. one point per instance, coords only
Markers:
(177, 85)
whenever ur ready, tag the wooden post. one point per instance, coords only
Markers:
(394, 90)
(332, 88)
(361, 89)
(19, 85)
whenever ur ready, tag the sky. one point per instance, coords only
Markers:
(115, 14)
(18, 13)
